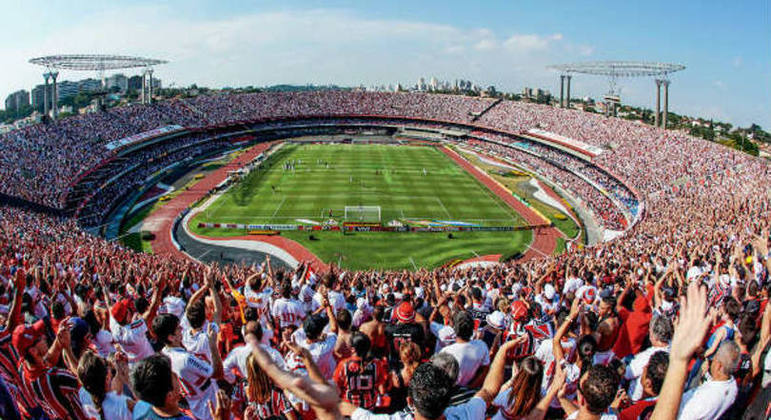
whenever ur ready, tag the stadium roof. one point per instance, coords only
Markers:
(97, 62)
(619, 68)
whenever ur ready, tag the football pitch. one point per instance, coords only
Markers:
(311, 183)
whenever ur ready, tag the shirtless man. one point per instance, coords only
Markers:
(607, 330)
(375, 330)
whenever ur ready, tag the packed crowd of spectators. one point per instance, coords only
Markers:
(670, 320)
(605, 211)
(40, 161)
(131, 173)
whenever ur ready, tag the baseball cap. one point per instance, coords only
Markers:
(519, 310)
(120, 310)
(548, 291)
(589, 294)
(405, 313)
(25, 336)
(496, 320)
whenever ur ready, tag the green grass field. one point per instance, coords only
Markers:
(407, 183)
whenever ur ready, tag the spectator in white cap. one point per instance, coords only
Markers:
(492, 333)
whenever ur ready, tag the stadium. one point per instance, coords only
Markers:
(365, 202)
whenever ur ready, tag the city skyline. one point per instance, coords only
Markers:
(350, 44)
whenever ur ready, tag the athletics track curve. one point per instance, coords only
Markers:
(545, 237)
(162, 219)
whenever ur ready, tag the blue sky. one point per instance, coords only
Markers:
(726, 45)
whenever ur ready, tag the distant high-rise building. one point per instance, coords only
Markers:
(135, 83)
(38, 96)
(434, 83)
(67, 89)
(89, 85)
(117, 81)
(17, 100)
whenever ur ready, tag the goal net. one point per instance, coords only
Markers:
(365, 214)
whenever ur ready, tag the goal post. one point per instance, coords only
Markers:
(365, 214)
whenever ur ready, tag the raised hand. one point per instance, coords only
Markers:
(222, 409)
(692, 325)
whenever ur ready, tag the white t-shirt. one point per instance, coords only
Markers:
(257, 300)
(198, 342)
(114, 406)
(545, 354)
(546, 304)
(194, 379)
(470, 356)
(323, 354)
(635, 369)
(708, 401)
(767, 371)
(236, 361)
(336, 299)
(604, 416)
(288, 312)
(132, 338)
(306, 297)
(473, 409)
(444, 334)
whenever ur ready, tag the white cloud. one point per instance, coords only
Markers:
(486, 45)
(308, 46)
(529, 42)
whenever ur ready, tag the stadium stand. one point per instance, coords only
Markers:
(626, 324)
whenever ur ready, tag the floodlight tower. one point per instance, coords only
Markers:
(89, 62)
(614, 70)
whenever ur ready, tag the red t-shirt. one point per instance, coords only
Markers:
(634, 328)
(633, 411)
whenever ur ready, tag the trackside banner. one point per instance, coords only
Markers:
(367, 228)
(138, 138)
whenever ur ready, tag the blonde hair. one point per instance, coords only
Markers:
(260, 384)
(410, 354)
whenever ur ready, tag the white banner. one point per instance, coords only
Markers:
(136, 138)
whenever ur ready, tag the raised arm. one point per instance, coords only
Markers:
(495, 376)
(216, 358)
(539, 411)
(215, 297)
(331, 314)
(155, 303)
(559, 354)
(14, 314)
(321, 396)
(692, 327)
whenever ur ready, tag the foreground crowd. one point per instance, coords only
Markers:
(93, 331)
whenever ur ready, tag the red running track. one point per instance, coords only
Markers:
(545, 237)
(162, 219)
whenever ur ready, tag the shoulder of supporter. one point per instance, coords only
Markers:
(362, 414)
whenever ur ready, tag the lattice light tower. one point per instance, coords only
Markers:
(615, 70)
(93, 62)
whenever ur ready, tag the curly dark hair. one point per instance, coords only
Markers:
(430, 389)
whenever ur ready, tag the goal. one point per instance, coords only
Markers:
(365, 214)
